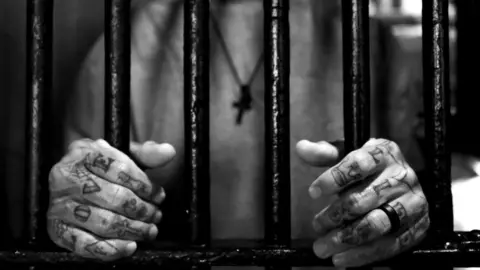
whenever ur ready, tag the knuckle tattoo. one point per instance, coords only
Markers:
(134, 209)
(376, 154)
(133, 183)
(102, 248)
(347, 171)
(342, 211)
(102, 162)
(122, 227)
(64, 235)
(356, 234)
(386, 184)
(82, 213)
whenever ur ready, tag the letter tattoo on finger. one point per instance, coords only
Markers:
(342, 212)
(61, 229)
(344, 173)
(382, 186)
(102, 162)
(131, 208)
(123, 228)
(90, 186)
(357, 234)
(132, 183)
(101, 248)
(376, 154)
(82, 213)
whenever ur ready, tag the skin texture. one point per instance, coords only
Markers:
(351, 229)
(237, 158)
(97, 193)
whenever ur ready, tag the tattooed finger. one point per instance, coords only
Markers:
(104, 223)
(384, 248)
(355, 167)
(108, 167)
(361, 199)
(112, 197)
(372, 226)
(88, 245)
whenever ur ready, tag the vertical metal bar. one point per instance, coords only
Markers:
(196, 105)
(277, 123)
(356, 74)
(437, 113)
(117, 73)
(39, 84)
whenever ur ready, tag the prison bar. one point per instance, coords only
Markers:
(196, 106)
(117, 73)
(462, 251)
(277, 122)
(356, 73)
(39, 84)
(437, 184)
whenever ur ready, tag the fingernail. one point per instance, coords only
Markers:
(159, 197)
(152, 233)
(338, 260)
(157, 217)
(315, 192)
(130, 248)
(149, 143)
(320, 250)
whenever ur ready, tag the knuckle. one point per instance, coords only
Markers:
(122, 195)
(122, 166)
(102, 143)
(362, 159)
(354, 203)
(394, 148)
(55, 173)
(82, 143)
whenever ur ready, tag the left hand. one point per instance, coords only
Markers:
(352, 229)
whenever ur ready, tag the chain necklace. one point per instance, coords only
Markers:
(244, 102)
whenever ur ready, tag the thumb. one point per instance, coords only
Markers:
(321, 154)
(151, 154)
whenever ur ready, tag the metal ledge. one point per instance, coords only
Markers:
(461, 249)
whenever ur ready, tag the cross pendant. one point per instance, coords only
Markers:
(244, 103)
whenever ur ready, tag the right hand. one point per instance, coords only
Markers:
(101, 202)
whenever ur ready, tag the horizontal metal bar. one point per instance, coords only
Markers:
(461, 249)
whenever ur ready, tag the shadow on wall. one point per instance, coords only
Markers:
(77, 24)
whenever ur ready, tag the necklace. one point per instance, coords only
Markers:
(244, 102)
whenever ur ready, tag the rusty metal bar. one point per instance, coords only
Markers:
(39, 85)
(117, 73)
(437, 113)
(196, 105)
(356, 73)
(277, 121)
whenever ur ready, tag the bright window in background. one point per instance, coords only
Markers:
(407, 8)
